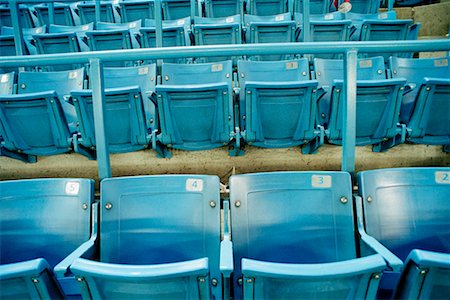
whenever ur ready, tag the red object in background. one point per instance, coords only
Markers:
(336, 3)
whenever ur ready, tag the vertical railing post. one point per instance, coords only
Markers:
(158, 29)
(98, 99)
(98, 14)
(306, 27)
(51, 13)
(390, 5)
(18, 34)
(192, 5)
(349, 112)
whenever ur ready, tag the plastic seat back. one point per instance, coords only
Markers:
(31, 279)
(144, 77)
(34, 123)
(222, 8)
(7, 45)
(415, 71)
(217, 31)
(270, 29)
(278, 102)
(309, 219)
(26, 18)
(195, 105)
(63, 14)
(177, 9)
(315, 6)
(7, 81)
(30, 48)
(365, 7)
(137, 10)
(61, 82)
(407, 208)
(175, 33)
(108, 12)
(358, 19)
(266, 7)
(151, 223)
(327, 70)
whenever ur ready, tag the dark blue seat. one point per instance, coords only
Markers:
(42, 222)
(293, 237)
(63, 14)
(108, 12)
(26, 18)
(223, 8)
(278, 104)
(266, 7)
(425, 109)
(159, 238)
(134, 10)
(34, 124)
(62, 82)
(217, 31)
(407, 210)
(30, 47)
(195, 105)
(358, 19)
(378, 102)
(79, 30)
(132, 26)
(177, 9)
(269, 29)
(316, 7)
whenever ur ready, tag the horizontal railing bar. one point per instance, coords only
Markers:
(226, 50)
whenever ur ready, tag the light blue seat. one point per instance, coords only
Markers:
(266, 7)
(378, 102)
(134, 10)
(217, 31)
(365, 6)
(177, 9)
(34, 124)
(63, 14)
(30, 48)
(407, 210)
(223, 8)
(294, 238)
(269, 29)
(160, 238)
(278, 104)
(389, 30)
(316, 7)
(358, 19)
(26, 18)
(42, 222)
(62, 82)
(327, 70)
(425, 109)
(195, 105)
(79, 30)
(7, 81)
(133, 27)
(125, 122)
(108, 12)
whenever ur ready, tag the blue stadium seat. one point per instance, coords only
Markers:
(223, 8)
(425, 109)
(407, 209)
(159, 238)
(63, 14)
(42, 222)
(365, 6)
(195, 105)
(7, 81)
(358, 19)
(316, 7)
(278, 104)
(387, 30)
(26, 18)
(133, 27)
(30, 47)
(378, 102)
(217, 31)
(108, 12)
(62, 82)
(266, 7)
(7, 47)
(294, 238)
(177, 9)
(134, 10)
(125, 120)
(269, 29)
(79, 30)
(34, 124)
(175, 33)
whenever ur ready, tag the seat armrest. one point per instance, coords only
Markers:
(394, 263)
(429, 258)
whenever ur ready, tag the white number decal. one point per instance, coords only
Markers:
(321, 181)
(442, 177)
(72, 188)
(194, 185)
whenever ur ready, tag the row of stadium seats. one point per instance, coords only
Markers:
(284, 235)
(273, 104)
(125, 11)
(210, 31)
